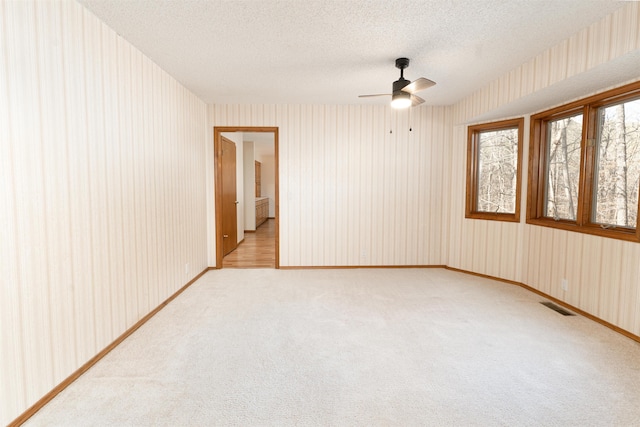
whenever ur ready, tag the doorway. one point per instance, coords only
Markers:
(258, 246)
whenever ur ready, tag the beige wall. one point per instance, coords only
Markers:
(106, 184)
(102, 193)
(356, 186)
(603, 274)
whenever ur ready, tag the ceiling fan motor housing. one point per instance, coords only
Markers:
(399, 84)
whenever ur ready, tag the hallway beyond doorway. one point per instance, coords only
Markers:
(257, 250)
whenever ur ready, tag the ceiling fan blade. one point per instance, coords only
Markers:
(416, 100)
(418, 85)
(377, 94)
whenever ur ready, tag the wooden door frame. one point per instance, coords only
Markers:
(217, 164)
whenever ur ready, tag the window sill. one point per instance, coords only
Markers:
(626, 234)
(505, 217)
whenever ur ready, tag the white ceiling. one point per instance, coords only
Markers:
(331, 51)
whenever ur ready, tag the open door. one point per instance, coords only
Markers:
(229, 197)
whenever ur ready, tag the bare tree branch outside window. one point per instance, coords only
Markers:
(497, 168)
(494, 153)
(618, 165)
(563, 167)
(584, 165)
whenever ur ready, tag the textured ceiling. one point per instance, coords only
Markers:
(329, 52)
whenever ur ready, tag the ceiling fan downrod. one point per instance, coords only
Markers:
(401, 64)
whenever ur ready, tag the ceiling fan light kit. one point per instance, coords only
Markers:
(402, 95)
(401, 99)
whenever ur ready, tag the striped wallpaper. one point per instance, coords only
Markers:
(102, 192)
(357, 186)
(106, 184)
(603, 274)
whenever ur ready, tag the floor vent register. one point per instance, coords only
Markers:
(557, 308)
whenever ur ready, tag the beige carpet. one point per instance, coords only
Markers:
(379, 347)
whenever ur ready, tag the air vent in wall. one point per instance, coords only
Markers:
(557, 308)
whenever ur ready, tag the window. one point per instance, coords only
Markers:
(563, 167)
(493, 170)
(585, 165)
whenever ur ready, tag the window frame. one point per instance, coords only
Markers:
(537, 173)
(473, 152)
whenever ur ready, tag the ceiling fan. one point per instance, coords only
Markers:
(403, 94)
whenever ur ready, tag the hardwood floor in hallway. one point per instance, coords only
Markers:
(258, 250)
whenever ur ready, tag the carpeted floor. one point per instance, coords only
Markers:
(363, 347)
